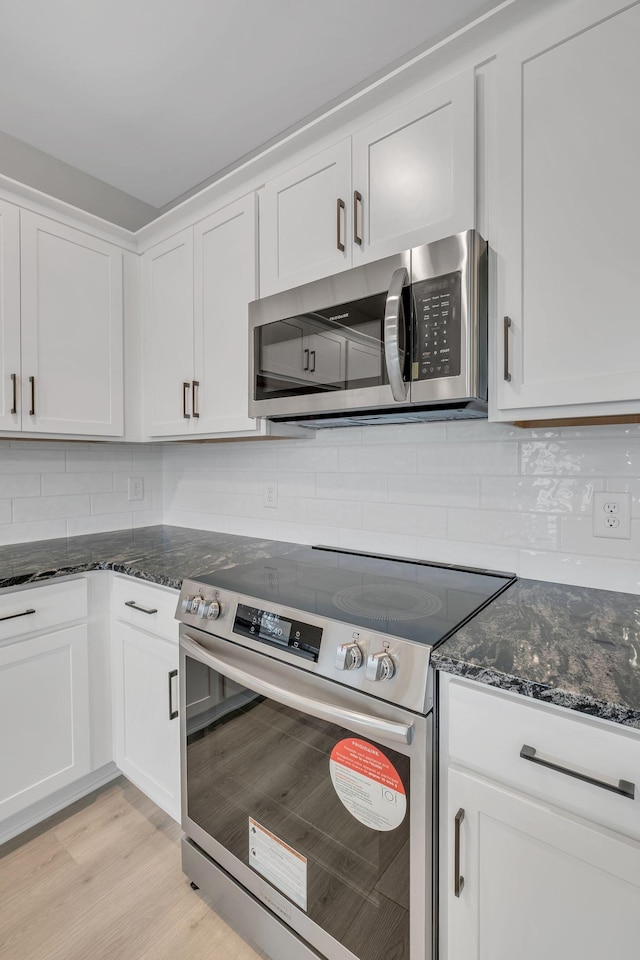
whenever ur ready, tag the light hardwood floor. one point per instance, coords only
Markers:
(102, 881)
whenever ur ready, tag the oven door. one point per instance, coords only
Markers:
(314, 797)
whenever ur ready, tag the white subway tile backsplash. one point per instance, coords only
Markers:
(405, 518)
(505, 529)
(592, 456)
(50, 508)
(377, 458)
(56, 484)
(34, 530)
(351, 486)
(78, 526)
(26, 459)
(5, 511)
(457, 491)
(470, 459)
(540, 494)
(578, 538)
(22, 484)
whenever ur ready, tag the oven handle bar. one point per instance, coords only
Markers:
(360, 722)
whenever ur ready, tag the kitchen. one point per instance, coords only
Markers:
(479, 493)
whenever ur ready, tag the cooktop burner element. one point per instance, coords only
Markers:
(387, 601)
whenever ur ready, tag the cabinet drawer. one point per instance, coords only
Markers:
(488, 729)
(146, 605)
(38, 608)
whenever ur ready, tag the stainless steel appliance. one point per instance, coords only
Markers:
(307, 754)
(404, 338)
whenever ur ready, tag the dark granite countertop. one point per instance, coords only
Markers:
(571, 646)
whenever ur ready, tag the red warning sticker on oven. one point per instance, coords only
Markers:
(368, 784)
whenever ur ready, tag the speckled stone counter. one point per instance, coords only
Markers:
(570, 646)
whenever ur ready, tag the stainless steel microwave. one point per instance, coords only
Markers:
(399, 339)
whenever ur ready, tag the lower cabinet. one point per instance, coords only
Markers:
(146, 724)
(44, 715)
(536, 859)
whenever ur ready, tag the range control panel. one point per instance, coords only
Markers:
(295, 636)
(436, 350)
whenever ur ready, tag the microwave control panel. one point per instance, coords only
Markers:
(437, 328)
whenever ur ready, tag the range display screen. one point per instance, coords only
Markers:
(303, 639)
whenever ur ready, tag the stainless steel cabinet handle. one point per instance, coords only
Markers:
(185, 395)
(361, 722)
(172, 713)
(14, 389)
(507, 326)
(393, 321)
(458, 879)
(32, 411)
(13, 616)
(340, 208)
(357, 218)
(195, 387)
(306, 359)
(622, 787)
(136, 606)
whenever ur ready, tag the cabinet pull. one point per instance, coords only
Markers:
(12, 616)
(185, 395)
(357, 215)
(458, 878)
(136, 606)
(339, 225)
(313, 361)
(306, 359)
(172, 713)
(32, 411)
(507, 326)
(622, 787)
(14, 391)
(195, 387)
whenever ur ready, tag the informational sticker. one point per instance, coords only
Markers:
(278, 863)
(368, 784)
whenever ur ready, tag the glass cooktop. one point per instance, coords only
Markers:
(417, 601)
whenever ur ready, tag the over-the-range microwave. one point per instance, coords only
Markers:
(399, 339)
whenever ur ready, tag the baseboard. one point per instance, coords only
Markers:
(38, 812)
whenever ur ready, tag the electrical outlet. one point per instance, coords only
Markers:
(612, 515)
(270, 493)
(136, 488)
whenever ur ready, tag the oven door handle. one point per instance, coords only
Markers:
(360, 722)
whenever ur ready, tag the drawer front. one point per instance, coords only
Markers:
(146, 605)
(487, 731)
(38, 608)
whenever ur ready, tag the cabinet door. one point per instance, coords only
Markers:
(415, 172)
(72, 380)
(302, 223)
(536, 881)
(44, 716)
(168, 335)
(569, 207)
(225, 283)
(9, 316)
(147, 729)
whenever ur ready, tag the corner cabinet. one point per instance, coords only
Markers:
(567, 217)
(197, 288)
(405, 179)
(534, 859)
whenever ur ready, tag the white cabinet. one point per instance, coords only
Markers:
(197, 287)
(9, 315)
(71, 309)
(406, 178)
(568, 209)
(45, 728)
(145, 691)
(542, 854)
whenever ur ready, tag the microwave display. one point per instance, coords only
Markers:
(437, 330)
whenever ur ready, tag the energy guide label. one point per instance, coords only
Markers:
(278, 863)
(368, 784)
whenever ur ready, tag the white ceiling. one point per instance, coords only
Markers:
(155, 96)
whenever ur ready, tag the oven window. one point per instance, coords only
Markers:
(251, 760)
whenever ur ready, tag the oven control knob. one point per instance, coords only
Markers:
(380, 666)
(212, 610)
(348, 657)
(190, 604)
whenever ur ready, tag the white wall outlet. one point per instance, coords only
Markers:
(136, 488)
(270, 493)
(612, 515)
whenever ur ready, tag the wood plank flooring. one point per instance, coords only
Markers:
(102, 880)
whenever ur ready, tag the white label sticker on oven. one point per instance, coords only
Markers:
(368, 784)
(278, 863)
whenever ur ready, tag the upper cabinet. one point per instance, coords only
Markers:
(568, 211)
(9, 315)
(405, 179)
(197, 287)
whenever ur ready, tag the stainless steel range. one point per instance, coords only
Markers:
(307, 757)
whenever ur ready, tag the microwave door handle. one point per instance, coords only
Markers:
(393, 319)
(360, 722)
